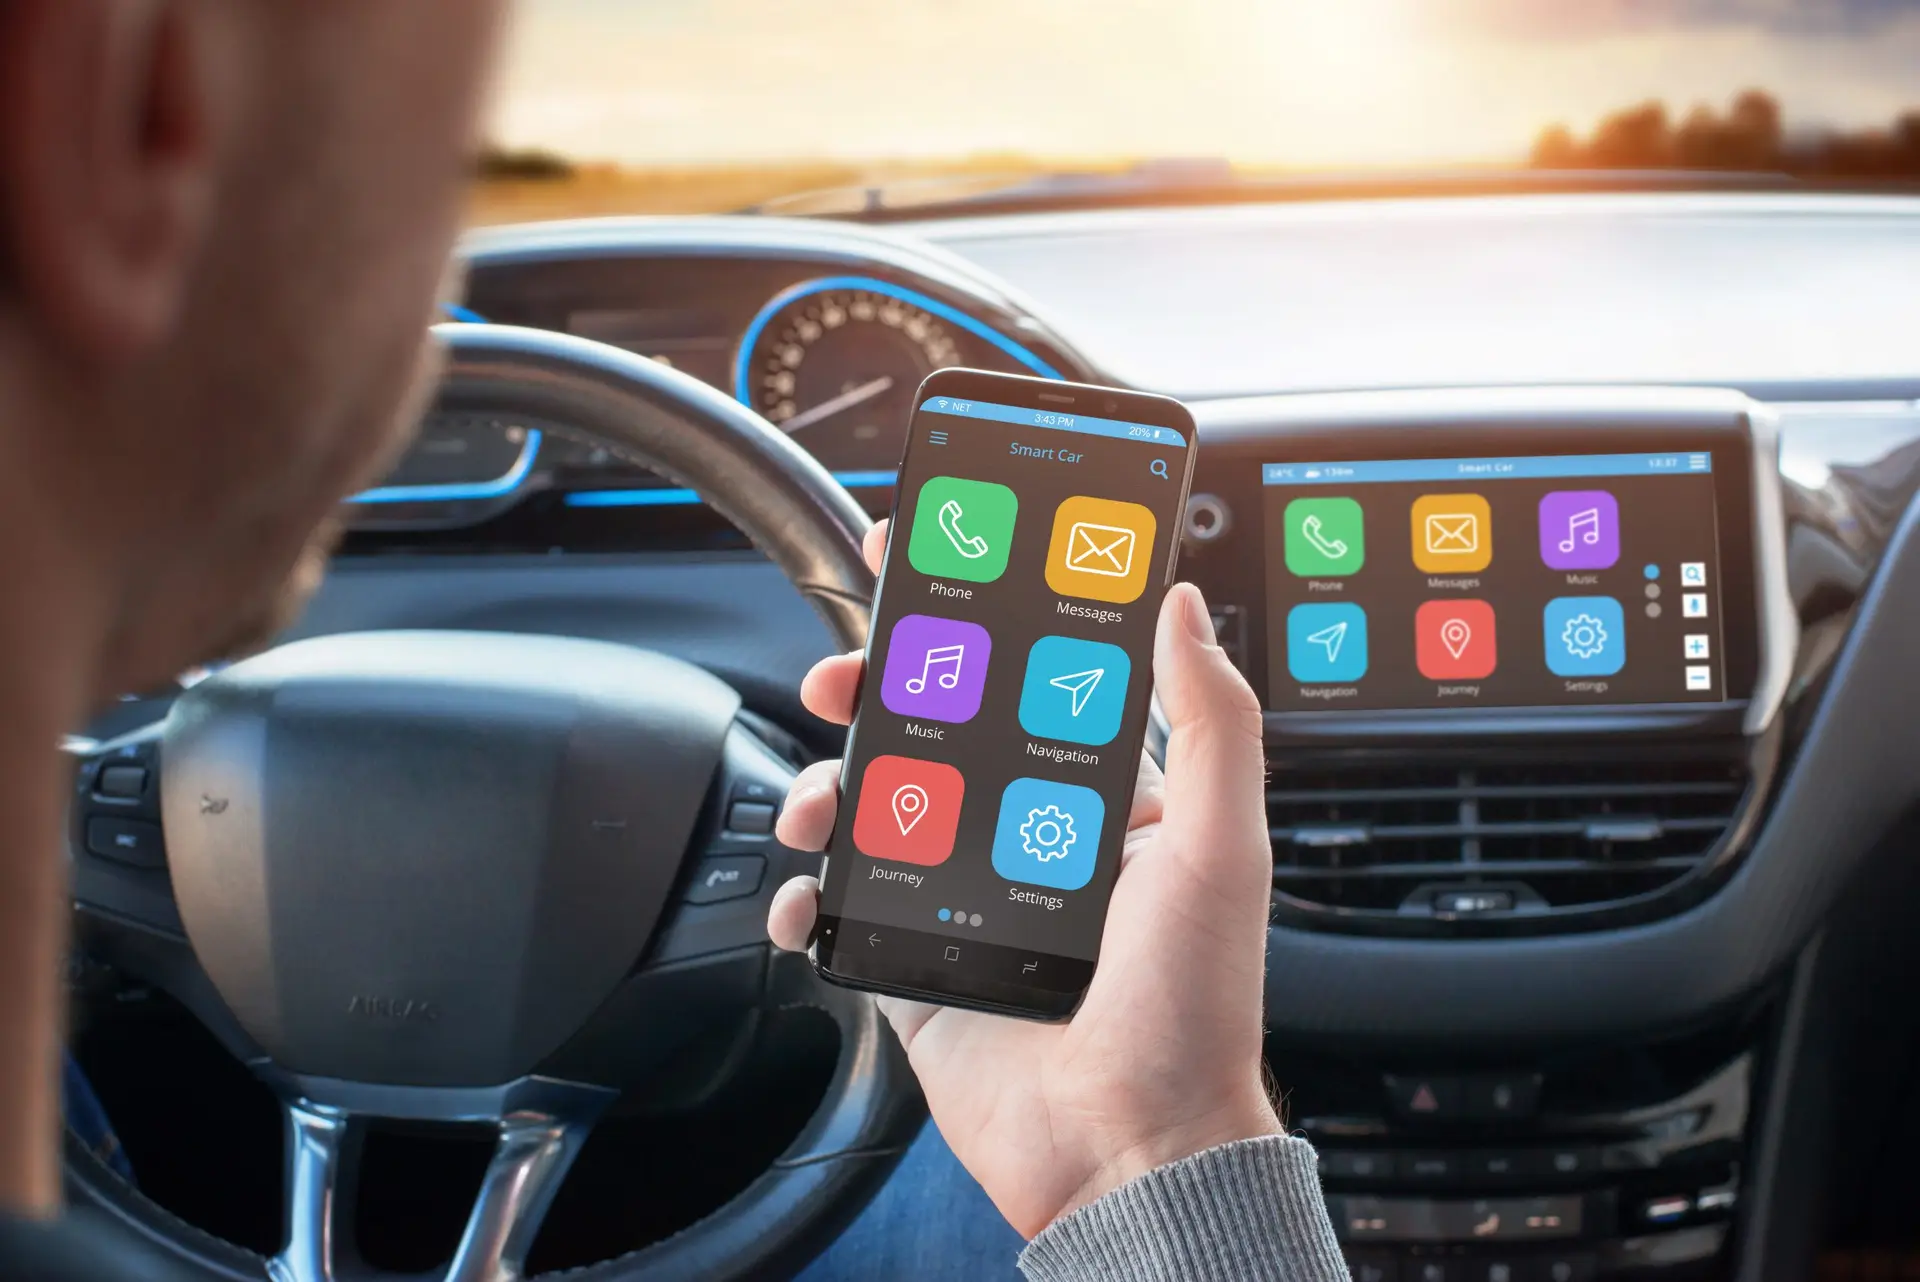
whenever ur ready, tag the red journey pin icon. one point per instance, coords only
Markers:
(909, 806)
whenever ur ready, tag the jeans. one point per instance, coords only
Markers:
(931, 1222)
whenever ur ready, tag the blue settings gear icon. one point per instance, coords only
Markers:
(1584, 636)
(1048, 833)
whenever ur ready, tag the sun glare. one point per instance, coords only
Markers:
(1307, 83)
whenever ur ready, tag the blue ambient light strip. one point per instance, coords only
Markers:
(670, 497)
(457, 491)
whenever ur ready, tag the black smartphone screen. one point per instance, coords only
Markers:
(989, 772)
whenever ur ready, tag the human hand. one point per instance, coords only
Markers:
(1162, 1059)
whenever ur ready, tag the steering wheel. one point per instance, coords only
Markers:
(479, 877)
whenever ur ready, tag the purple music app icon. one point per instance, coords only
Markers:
(936, 668)
(1579, 530)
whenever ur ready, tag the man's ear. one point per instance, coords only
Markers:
(111, 117)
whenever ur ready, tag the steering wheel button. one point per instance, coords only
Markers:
(121, 781)
(754, 817)
(726, 877)
(127, 840)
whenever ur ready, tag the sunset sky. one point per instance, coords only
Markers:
(1298, 82)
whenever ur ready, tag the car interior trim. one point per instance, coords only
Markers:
(1779, 637)
(500, 487)
(679, 496)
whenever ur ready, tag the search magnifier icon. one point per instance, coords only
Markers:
(1159, 468)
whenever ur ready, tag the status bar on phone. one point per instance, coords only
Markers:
(1054, 420)
(1550, 466)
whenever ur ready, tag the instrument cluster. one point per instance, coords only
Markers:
(830, 352)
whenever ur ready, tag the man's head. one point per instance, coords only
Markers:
(223, 224)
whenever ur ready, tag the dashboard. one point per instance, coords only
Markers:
(825, 328)
(1751, 344)
(826, 335)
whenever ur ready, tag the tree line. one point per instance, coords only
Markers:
(1748, 137)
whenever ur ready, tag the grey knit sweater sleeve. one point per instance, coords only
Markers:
(1250, 1211)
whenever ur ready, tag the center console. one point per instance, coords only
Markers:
(1510, 1176)
(1522, 654)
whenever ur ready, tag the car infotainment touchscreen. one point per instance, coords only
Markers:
(1528, 581)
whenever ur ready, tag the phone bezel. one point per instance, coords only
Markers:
(972, 992)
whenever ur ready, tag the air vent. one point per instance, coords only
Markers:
(1532, 837)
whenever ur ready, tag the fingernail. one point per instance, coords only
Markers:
(1199, 621)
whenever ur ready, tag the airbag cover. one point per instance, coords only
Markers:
(424, 858)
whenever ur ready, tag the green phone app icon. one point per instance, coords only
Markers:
(1325, 537)
(962, 529)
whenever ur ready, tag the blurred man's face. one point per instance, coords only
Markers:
(340, 131)
(305, 352)
(222, 227)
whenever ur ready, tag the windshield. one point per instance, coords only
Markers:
(631, 106)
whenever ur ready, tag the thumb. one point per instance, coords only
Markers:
(1216, 808)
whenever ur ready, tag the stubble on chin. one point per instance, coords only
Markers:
(255, 628)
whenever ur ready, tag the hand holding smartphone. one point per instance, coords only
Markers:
(1162, 1059)
(992, 764)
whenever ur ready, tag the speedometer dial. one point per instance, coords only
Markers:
(837, 369)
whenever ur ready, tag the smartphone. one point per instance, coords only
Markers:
(992, 760)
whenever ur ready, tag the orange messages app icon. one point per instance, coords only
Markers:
(1452, 533)
(1101, 549)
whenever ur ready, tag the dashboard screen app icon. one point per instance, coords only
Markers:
(1325, 538)
(1452, 533)
(909, 810)
(1454, 640)
(1579, 530)
(1586, 636)
(1327, 642)
(962, 529)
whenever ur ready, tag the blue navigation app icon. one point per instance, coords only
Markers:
(1048, 833)
(1327, 642)
(1074, 690)
(1586, 636)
